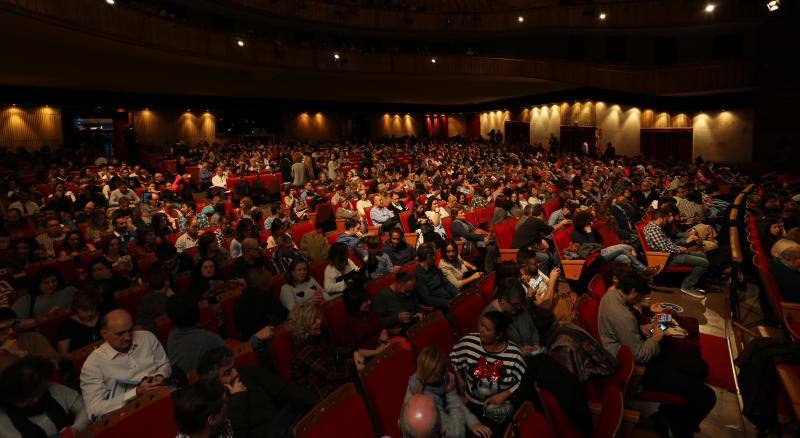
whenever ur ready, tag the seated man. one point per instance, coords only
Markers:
(129, 364)
(432, 286)
(352, 236)
(267, 405)
(464, 230)
(420, 418)
(531, 235)
(14, 346)
(187, 342)
(382, 216)
(658, 241)
(786, 272)
(680, 374)
(398, 306)
(283, 256)
(189, 238)
(398, 250)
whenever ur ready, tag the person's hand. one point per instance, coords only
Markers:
(404, 317)
(158, 379)
(476, 276)
(496, 399)
(11, 346)
(528, 349)
(450, 385)
(419, 315)
(658, 334)
(236, 387)
(318, 298)
(358, 358)
(682, 250)
(555, 273)
(545, 245)
(146, 385)
(266, 333)
(397, 268)
(481, 431)
(646, 328)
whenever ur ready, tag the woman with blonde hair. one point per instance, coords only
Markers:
(317, 364)
(433, 379)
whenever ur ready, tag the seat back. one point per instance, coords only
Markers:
(150, 415)
(550, 207)
(384, 380)
(562, 239)
(556, 416)
(640, 232)
(317, 270)
(243, 353)
(183, 282)
(504, 233)
(374, 287)
(404, 220)
(447, 224)
(300, 230)
(129, 299)
(334, 313)
(80, 355)
(367, 211)
(607, 233)
(486, 287)
(343, 410)
(528, 423)
(610, 419)
(48, 324)
(227, 301)
(433, 330)
(466, 308)
(587, 313)
(280, 347)
(597, 286)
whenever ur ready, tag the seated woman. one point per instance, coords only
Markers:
(48, 293)
(74, 247)
(300, 286)
(106, 282)
(458, 271)
(80, 329)
(339, 264)
(146, 242)
(317, 364)
(113, 252)
(34, 407)
(244, 229)
(432, 378)
(582, 233)
(278, 228)
(489, 393)
(208, 248)
(364, 329)
(296, 207)
(419, 222)
(376, 262)
(207, 278)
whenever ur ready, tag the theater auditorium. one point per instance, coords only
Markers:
(399, 218)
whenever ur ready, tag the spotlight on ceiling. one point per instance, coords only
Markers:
(336, 56)
(602, 16)
(710, 7)
(240, 42)
(774, 5)
(433, 60)
(520, 19)
(110, 2)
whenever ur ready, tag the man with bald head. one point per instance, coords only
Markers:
(420, 418)
(127, 365)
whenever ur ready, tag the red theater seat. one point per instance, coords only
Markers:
(343, 410)
(150, 415)
(129, 299)
(334, 313)
(384, 380)
(529, 423)
(374, 287)
(433, 330)
(280, 347)
(557, 417)
(466, 308)
(486, 287)
(227, 301)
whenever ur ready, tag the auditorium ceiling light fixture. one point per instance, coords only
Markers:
(710, 8)
(602, 16)
(774, 5)
(520, 19)
(433, 60)
(110, 2)
(240, 42)
(336, 56)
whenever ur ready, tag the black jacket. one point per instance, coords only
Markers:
(532, 231)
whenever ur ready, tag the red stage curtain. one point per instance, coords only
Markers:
(436, 125)
(664, 144)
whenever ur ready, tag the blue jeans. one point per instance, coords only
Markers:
(622, 253)
(698, 262)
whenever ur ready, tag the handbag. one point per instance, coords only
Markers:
(498, 413)
(469, 249)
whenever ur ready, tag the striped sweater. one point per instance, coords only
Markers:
(465, 358)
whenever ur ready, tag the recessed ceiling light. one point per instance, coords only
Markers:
(774, 5)
(336, 56)
(602, 16)
(240, 43)
(520, 19)
(433, 60)
(710, 7)
(110, 2)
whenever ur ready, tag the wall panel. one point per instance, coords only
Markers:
(30, 128)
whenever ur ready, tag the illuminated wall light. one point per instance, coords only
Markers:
(520, 19)
(774, 5)
(602, 16)
(240, 42)
(433, 60)
(336, 56)
(110, 2)
(710, 8)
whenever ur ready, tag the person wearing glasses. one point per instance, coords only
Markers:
(128, 364)
(14, 346)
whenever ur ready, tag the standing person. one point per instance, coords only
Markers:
(299, 172)
(667, 371)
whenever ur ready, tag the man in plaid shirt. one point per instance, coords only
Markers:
(658, 241)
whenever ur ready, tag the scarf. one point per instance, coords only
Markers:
(46, 405)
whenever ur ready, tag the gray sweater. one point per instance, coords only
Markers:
(453, 411)
(618, 326)
(186, 345)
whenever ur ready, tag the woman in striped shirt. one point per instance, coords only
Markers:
(489, 368)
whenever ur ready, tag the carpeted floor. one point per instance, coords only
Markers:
(715, 352)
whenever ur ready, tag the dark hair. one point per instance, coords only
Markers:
(274, 227)
(403, 277)
(211, 361)
(537, 210)
(512, 290)
(425, 251)
(85, 300)
(354, 297)
(296, 261)
(141, 234)
(204, 241)
(449, 242)
(351, 223)
(374, 242)
(182, 310)
(581, 219)
(36, 283)
(21, 379)
(337, 254)
(101, 260)
(165, 251)
(500, 321)
(156, 278)
(631, 281)
(7, 313)
(194, 404)
(108, 241)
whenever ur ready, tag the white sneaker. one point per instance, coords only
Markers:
(694, 292)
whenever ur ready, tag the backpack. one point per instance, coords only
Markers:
(314, 246)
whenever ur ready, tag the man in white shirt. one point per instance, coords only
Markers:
(122, 191)
(25, 205)
(129, 364)
(219, 180)
(189, 238)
